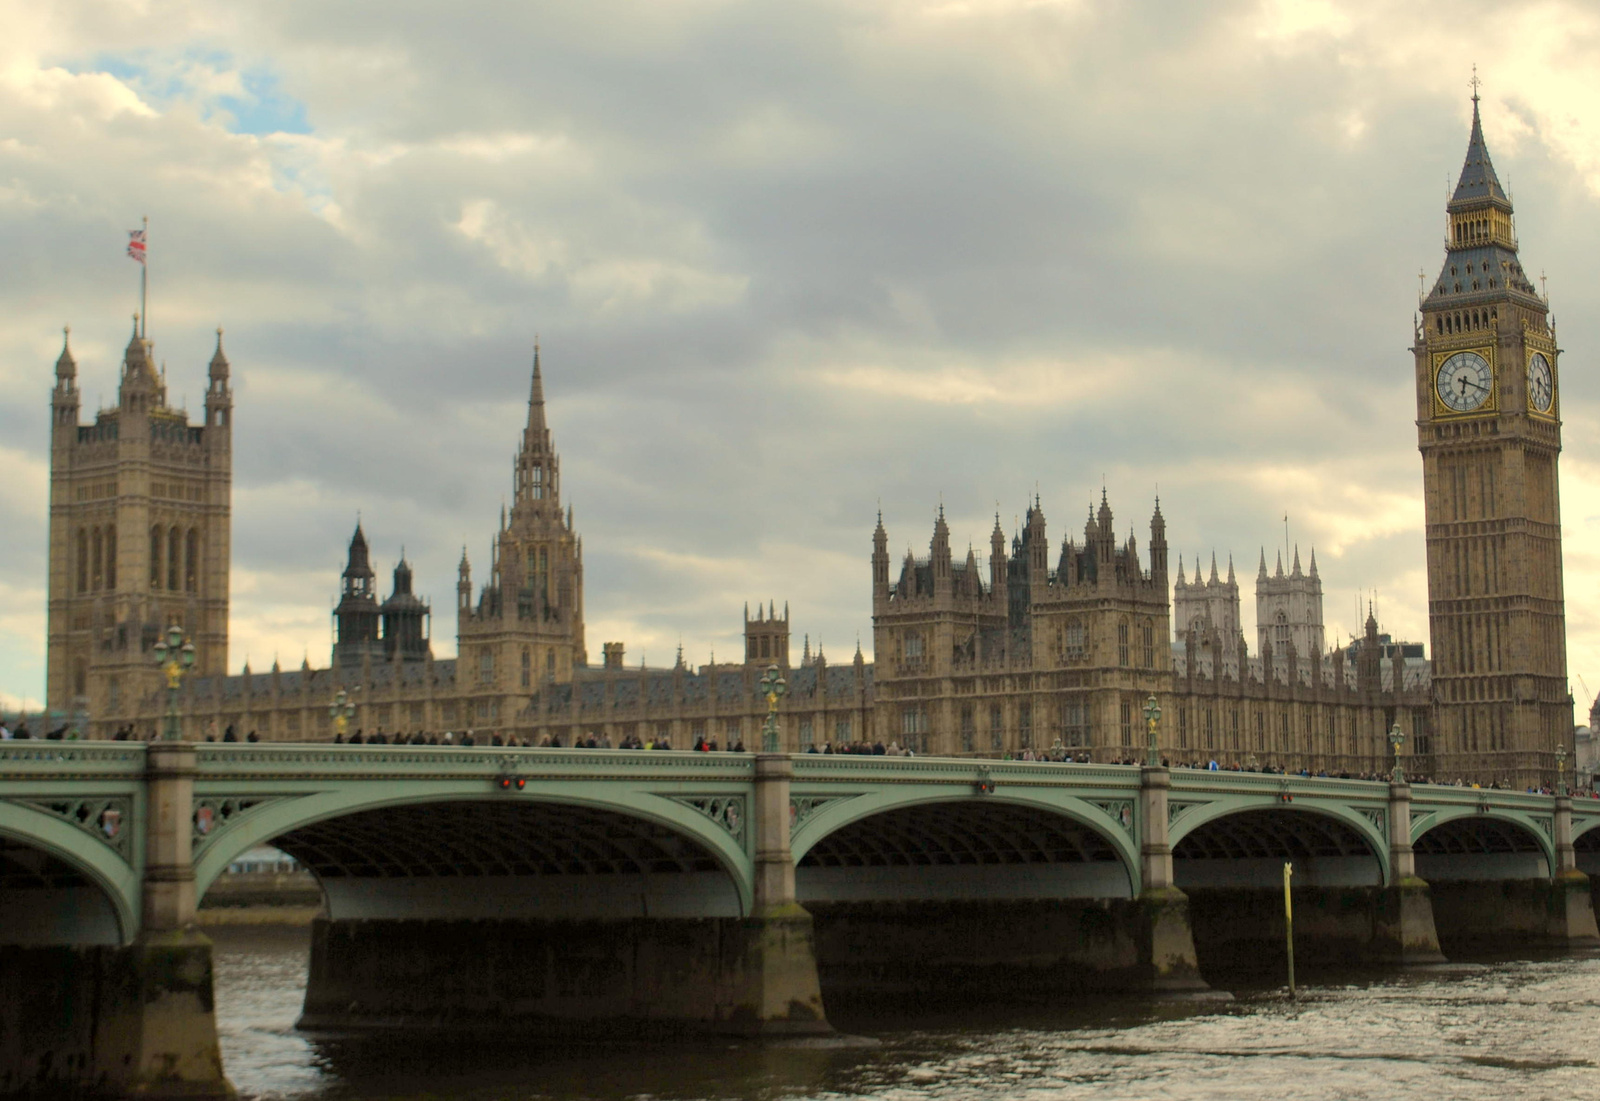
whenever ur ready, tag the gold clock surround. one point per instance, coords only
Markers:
(1491, 404)
(1555, 396)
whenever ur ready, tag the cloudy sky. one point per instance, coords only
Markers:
(787, 261)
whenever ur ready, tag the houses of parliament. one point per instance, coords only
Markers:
(1040, 646)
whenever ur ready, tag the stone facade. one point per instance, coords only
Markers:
(1027, 651)
(1489, 429)
(139, 534)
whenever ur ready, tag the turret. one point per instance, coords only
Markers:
(464, 586)
(64, 398)
(997, 560)
(219, 396)
(939, 553)
(1158, 546)
(356, 617)
(880, 559)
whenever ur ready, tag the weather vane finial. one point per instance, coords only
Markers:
(1475, 82)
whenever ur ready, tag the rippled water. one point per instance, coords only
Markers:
(1523, 1030)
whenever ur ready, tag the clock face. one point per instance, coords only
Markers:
(1541, 384)
(1465, 381)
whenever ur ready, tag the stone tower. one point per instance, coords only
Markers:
(1289, 610)
(356, 618)
(766, 637)
(527, 627)
(139, 535)
(1488, 426)
(406, 619)
(1208, 607)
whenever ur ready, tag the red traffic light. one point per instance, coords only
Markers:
(1285, 797)
(506, 783)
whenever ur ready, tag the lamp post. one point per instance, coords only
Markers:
(175, 655)
(1152, 720)
(774, 687)
(342, 711)
(1397, 738)
(1561, 769)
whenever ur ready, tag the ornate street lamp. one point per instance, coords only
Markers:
(1561, 769)
(774, 687)
(342, 711)
(1397, 738)
(1152, 720)
(175, 655)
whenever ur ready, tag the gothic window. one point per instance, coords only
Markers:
(1077, 639)
(766, 647)
(841, 730)
(1261, 731)
(538, 483)
(913, 646)
(191, 561)
(1025, 723)
(1211, 733)
(80, 678)
(527, 667)
(1125, 714)
(83, 560)
(996, 727)
(730, 730)
(486, 664)
(752, 646)
(1073, 731)
(97, 543)
(111, 557)
(1280, 633)
(550, 665)
(807, 737)
(1149, 640)
(969, 728)
(1283, 731)
(174, 557)
(1183, 726)
(1233, 725)
(155, 557)
(1122, 643)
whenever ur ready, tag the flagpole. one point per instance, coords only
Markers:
(144, 284)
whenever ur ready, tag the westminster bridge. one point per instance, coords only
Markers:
(479, 888)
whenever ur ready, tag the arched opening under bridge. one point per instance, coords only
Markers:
(968, 898)
(1231, 867)
(1490, 880)
(519, 913)
(508, 859)
(46, 900)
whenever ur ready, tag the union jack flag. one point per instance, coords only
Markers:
(136, 244)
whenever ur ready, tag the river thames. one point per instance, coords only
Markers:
(1519, 1029)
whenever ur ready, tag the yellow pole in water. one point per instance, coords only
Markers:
(1288, 923)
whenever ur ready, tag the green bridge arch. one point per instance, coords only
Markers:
(847, 808)
(102, 865)
(283, 814)
(1426, 819)
(1220, 809)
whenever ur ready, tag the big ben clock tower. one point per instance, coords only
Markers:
(1488, 426)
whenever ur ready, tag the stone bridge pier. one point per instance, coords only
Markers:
(118, 1019)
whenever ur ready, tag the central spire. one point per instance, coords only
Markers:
(537, 473)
